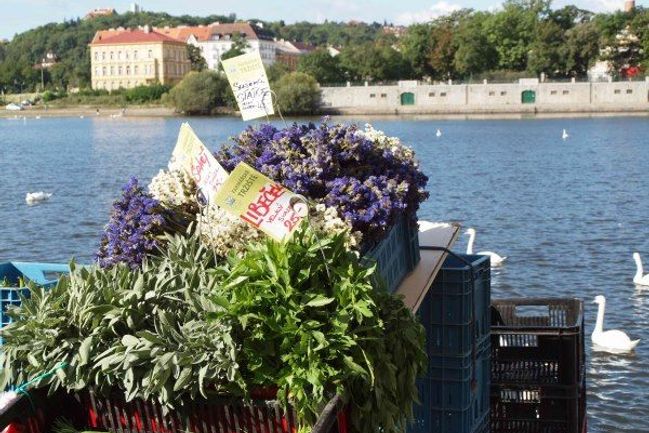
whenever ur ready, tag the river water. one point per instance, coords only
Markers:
(567, 213)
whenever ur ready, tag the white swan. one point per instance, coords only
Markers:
(639, 278)
(565, 134)
(37, 197)
(438, 133)
(496, 259)
(613, 341)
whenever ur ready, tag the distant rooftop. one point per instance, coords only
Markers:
(213, 31)
(130, 36)
(99, 12)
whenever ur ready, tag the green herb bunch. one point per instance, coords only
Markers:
(301, 317)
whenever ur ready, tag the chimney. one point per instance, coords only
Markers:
(629, 6)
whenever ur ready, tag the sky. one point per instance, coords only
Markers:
(17, 16)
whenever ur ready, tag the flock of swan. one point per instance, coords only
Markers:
(612, 341)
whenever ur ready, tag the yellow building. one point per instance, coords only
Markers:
(126, 58)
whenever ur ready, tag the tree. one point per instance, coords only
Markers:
(546, 53)
(322, 66)
(474, 53)
(416, 46)
(276, 71)
(239, 46)
(196, 58)
(297, 93)
(374, 62)
(581, 48)
(199, 92)
(625, 53)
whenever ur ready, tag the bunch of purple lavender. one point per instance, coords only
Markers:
(370, 183)
(135, 223)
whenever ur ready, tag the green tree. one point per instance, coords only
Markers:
(297, 93)
(276, 71)
(374, 62)
(474, 53)
(546, 54)
(581, 48)
(199, 92)
(322, 66)
(196, 58)
(416, 46)
(239, 46)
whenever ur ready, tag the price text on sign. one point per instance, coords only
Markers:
(259, 201)
(192, 155)
(249, 83)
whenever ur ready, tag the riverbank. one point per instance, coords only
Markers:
(143, 112)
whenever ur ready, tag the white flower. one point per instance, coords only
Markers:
(173, 188)
(225, 233)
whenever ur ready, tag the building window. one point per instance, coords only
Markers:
(372, 95)
(566, 92)
(553, 92)
(629, 91)
(150, 54)
(135, 55)
(103, 55)
(96, 71)
(103, 71)
(111, 55)
(431, 94)
(384, 95)
(617, 91)
(128, 70)
(119, 72)
(112, 70)
(135, 70)
(442, 94)
(96, 55)
(119, 55)
(492, 93)
(503, 93)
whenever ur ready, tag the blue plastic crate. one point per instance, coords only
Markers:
(455, 406)
(43, 274)
(398, 253)
(456, 310)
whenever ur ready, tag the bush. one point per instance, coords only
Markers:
(51, 96)
(199, 92)
(143, 94)
(297, 93)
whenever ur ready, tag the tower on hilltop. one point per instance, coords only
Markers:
(629, 5)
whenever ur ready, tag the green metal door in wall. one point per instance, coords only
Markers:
(407, 98)
(528, 97)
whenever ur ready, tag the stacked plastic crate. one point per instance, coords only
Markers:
(538, 375)
(454, 394)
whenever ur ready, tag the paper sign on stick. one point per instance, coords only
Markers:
(259, 201)
(249, 83)
(192, 155)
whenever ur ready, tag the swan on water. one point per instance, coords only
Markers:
(612, 341)
(496, 259)
(438, 133)
(565, 134)
(37, 197)
(639, 278)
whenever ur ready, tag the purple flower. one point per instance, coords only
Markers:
(131, 234)
(336, 165)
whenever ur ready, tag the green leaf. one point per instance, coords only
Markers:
(130, 340)
(319, 301)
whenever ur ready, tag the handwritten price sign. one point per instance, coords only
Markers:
(192, 155)
(249, 83)
(260, 202)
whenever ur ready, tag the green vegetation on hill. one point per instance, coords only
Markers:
(524, 37)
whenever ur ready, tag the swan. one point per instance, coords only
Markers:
(37, 197)
(565, 134)
(496, 259)
(639, 278)
(438, 133)
(613, 341)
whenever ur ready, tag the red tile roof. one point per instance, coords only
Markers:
(129, 36)
(204, 33)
